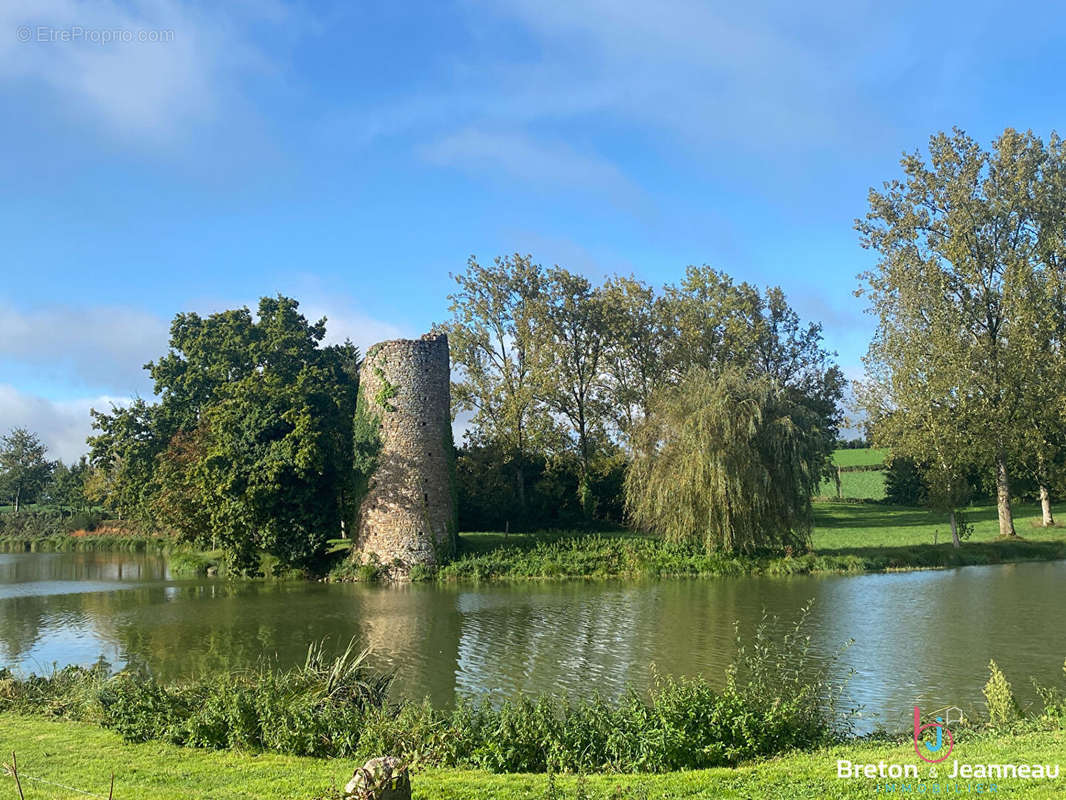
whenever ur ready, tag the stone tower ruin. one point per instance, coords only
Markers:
(408, 513)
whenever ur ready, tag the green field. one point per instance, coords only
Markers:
(847, 527)
(857, 485)
(860, 458)
(844, 527)
(865, 485)
(57, 759)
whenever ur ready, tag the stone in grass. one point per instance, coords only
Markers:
(380, 779)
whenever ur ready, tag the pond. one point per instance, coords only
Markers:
(921, 638)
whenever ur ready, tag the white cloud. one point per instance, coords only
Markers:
(345, 322)
(98, 346)
(105, 347)
(62, 426)
(152, 90)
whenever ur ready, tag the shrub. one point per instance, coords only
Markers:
(1002, 707)
(1054, 702)
(368, 573)
(31, 525)
(904, 483)
(84, 521)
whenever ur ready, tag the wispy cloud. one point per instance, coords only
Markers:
(511, 155)
(725, 82)
(709, 73)
(346, 322)
(718, 80)
(148, 71)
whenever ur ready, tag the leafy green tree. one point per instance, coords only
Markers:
(494, 343)
(122, 455)
(250, 445)
(904, 485)
(729, 460)
(713, 322)
(1043, 408)
(918, 421)
(205, 354)
(265, 416)
(67, 487)
(24, 469)
(962, 240)
(573, 324)
(180, 477)
(634, 358)
(717, 323)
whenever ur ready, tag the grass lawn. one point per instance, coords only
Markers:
(838, 527)
(860, 485)
(83, 756)
(850, 526)
(862, 457)
(868, 485)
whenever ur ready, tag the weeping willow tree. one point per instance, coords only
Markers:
(727, 460)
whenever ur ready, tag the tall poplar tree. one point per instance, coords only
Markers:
(494, 342)
(959, 239)
(572, 317)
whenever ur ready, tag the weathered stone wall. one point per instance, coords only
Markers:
(407, 516)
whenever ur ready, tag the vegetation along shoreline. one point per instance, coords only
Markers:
(849, 538)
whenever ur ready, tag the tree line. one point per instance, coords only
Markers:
(580, 396)
(582, 384)
(702, 410)
(28, 476)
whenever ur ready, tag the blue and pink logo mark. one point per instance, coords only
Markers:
(930, 747)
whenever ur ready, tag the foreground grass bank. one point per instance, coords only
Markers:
(83, 756)
(337, 707)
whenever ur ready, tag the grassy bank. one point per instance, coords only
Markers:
(182, 560)
(848, 538)
(83, 756)
(106, 543)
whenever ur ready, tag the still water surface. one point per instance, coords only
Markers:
(920, 638)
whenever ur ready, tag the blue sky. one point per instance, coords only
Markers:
(352, 155)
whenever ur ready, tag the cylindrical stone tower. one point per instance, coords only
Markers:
(408, 514)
